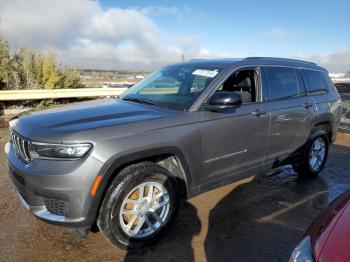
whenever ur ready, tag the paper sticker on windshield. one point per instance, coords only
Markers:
(207, 73)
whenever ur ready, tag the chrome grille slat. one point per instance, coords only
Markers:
(26, 149)
(18, 144)
(21, 146)
(22, 149)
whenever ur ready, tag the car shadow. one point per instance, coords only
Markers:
(264, 220)
(176, 245)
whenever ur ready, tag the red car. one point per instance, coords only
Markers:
(328, 237)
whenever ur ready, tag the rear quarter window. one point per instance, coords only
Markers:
(329, 82)
(315, 82)
(282, 82)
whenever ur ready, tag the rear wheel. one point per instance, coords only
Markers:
(315, 155)
(139, 206)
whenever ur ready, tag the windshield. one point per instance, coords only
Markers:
(174, 87)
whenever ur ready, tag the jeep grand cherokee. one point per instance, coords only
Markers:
(123, 164)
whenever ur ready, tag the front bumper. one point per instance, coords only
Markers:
(56, 191)
(303, 252)
(42, 213)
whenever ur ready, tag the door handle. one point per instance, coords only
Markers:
(307, 105)
(259, 112)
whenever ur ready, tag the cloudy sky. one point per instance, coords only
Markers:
(131, 34)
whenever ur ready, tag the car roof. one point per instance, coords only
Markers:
(254, 61)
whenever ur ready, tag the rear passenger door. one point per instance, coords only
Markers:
(291, 111)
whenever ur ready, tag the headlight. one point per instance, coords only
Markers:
(303, 252)
(43, 150)
(12, 123)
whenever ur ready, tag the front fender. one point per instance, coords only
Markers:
(117, 162)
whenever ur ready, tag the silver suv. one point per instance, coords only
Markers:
(123, 165)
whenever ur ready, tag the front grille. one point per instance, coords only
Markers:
(21, 146)
(57, 206)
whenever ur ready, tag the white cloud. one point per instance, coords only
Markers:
(41, 23)
(89, 36)
(116, 25)
(338, 61)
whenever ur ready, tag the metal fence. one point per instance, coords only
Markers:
(12, 95)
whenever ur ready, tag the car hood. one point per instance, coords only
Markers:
(85, 116)
(330, 232)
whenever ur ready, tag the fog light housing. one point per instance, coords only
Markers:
(7, 148)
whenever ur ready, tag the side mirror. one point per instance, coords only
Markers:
(222, 100)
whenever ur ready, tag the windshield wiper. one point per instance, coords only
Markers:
(138, 100)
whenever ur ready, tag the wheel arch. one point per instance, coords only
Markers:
(325, 126)
(170, 158)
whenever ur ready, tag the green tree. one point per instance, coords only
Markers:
(29, 69)
(70, 78)
(6, 65)
(38, 69)
(50, 71)
(347, 74)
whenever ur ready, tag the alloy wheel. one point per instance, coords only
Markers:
(144, 210)
(317, 154)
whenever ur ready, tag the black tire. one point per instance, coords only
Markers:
(303, 166)
(119, 189)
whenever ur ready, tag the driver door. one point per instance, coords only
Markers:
(234, 140)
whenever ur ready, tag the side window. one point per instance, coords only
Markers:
(314, 81)
(282, 82)
(244, 82)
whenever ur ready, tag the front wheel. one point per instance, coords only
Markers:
(315, 155)
(139, 206)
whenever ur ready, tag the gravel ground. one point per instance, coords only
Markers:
(258, 219)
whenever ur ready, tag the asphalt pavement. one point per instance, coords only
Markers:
(261, 218)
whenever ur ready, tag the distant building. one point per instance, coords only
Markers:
(139, 77)
(336, 75)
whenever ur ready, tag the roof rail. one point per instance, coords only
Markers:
(196, 59)
(280, 59)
